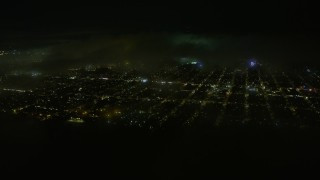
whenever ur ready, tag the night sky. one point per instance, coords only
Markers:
(149, 34)
(196, 17)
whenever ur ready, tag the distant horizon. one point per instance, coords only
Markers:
(153, 50)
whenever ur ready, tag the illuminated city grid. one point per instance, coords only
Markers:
(181, 96)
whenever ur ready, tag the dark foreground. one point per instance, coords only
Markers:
(57, 149)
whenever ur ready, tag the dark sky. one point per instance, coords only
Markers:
(197, 17)
(150, 33)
